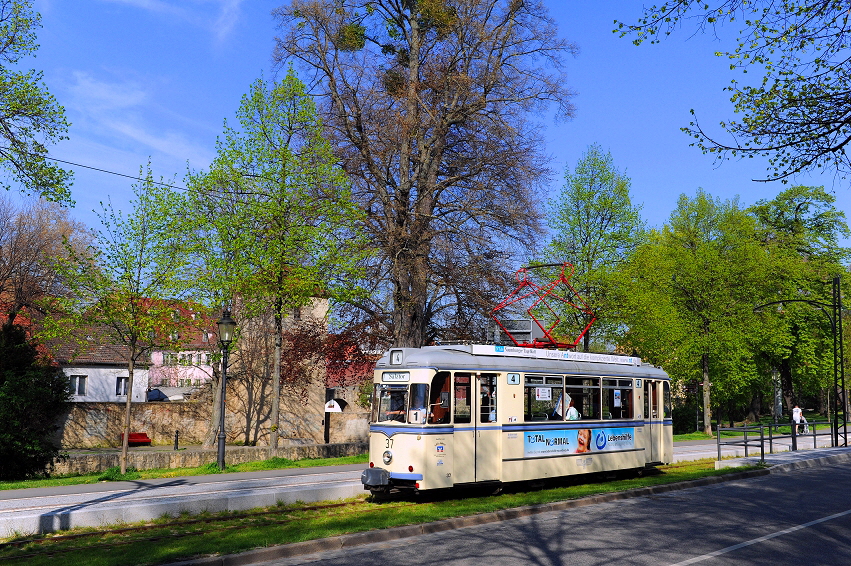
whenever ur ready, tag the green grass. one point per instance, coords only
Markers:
(225, 534)
(113, 474)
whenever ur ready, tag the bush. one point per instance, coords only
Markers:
(33, 395)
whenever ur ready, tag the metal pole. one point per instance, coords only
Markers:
(221, 459)
(835, 363)
(841, 360)
(718, 436)
(794, 436)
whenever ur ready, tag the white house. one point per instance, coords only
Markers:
(100, 375)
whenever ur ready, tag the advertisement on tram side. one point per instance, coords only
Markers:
(577, 441)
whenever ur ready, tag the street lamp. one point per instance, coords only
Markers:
(838, 355)
(226, 328)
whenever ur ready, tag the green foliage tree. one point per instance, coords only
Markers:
(125, 288)
(30, 118)
(428, 103)
(800, 229)
(797, 114)
(596, 228)
(33, 396)
(276, 225)
(688, 295)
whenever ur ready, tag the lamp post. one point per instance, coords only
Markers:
(226, 328)
(838, 354)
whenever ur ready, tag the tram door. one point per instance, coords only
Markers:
(477, 433)
(653, 419)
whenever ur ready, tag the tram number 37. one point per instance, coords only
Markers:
(389, 443)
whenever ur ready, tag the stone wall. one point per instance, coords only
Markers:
(87, 463)
(348, 427)
(99, 425)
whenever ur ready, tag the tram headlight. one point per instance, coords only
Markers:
(387, 457)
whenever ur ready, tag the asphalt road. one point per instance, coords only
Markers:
(798, 517)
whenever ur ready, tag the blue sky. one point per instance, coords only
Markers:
(155, 79)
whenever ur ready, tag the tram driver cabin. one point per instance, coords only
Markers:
(445, 416)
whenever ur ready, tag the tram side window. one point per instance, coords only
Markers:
(585, 394)
(462, 398)
(488, 398)
(543, 399)
(439, 409)
(617, 399)
(390, 403)
(667, 399)
(418, 410)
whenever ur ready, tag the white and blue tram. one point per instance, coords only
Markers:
(444, 416)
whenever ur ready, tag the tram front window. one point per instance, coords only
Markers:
(419, 409)
(390, 404)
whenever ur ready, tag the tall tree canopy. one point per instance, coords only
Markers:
(596, 228)
(800, 229)
(124, 289)
(427, 102)
(688, 295)
(275, 225)
(799, 112)
(30, 118)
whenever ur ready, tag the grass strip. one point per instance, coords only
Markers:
(227, 534)
(114, 474)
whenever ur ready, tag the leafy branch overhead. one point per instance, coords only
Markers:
(798, 112)
(30, 118)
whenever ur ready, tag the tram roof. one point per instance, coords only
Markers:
(489, 357)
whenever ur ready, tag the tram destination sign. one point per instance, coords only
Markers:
(395, 376)
(540, 353)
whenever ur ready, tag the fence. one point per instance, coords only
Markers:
(773, 434)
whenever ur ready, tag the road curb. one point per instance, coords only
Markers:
(407, 531)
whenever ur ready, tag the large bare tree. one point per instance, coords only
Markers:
(428, 104)
(32, 237)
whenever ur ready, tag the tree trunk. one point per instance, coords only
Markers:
(755, 408)
(126, 436)
(707, 409)
(210, 436)
(786, 384)
(276, 379)
(822, 401)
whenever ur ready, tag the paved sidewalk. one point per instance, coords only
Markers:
(786, 461)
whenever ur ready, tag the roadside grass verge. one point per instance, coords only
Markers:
(229, 533)
(114, 474)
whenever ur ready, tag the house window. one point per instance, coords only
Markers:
(297, 313)
(121, 386)
(78, 385)
(170, 359)
(208, 359)
(205, 337)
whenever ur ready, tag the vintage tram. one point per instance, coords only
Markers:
(455, 415)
